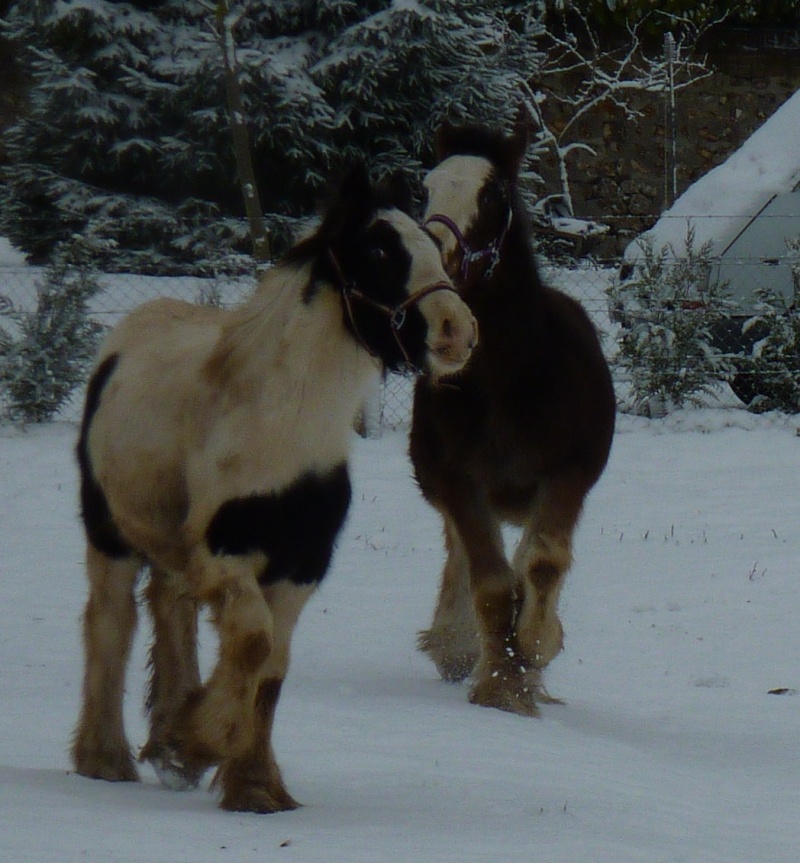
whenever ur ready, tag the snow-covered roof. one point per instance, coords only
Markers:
(722, 202)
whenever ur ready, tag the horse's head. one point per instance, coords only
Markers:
(396, 298)
(470, 198)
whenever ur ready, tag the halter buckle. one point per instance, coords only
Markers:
(398, 318)
(468, 255)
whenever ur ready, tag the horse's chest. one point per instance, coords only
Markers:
(485, 434)
(295, 528)
(471, 436)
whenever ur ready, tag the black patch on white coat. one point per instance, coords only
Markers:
(378, 265)
(369, 255)
(101, 529)
(295, 528)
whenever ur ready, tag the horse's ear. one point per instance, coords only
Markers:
(353, 202)
(396, 188)
(444, 140)
(355, 185)
(348, 203)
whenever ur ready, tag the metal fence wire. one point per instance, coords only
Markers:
(741, 319)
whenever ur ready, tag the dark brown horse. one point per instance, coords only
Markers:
(519, 436)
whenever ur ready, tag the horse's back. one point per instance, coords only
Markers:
(161, 328)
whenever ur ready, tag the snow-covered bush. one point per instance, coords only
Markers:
(774, 364)
(45, 352)
(669, 309)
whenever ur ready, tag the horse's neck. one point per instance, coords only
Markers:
(511, 309)
(514, 294)
(279, 347)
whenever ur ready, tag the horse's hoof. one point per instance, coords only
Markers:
(109, 766)
(176, 768)
(454, 666)
(541, 644)
(513, 690)
(258, 797)
(455, 669)
(508, 699)
(260, 801)
(173, 771)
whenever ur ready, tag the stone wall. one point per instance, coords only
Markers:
(624, 185)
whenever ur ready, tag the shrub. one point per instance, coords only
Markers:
(775, 360)
(669, 309)
(46, 351)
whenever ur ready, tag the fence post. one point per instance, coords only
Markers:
(670, 131)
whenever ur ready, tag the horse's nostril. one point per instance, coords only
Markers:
(447, 328)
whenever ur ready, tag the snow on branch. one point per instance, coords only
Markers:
(607, 76)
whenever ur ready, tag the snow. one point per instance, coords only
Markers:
(680, 613)
(721, 203)
(10, 255)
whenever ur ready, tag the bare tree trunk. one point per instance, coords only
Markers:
(262, 250)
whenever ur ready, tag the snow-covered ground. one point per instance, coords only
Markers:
(678, 742)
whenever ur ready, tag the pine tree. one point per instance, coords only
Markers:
(774, 365)
(127, 138)
(102, 149)
(394, 76)
(699, 12)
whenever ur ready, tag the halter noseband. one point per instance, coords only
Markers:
(468, 255)
(396, 314)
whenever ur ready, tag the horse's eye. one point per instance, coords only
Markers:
(487, 196)
(377, 254)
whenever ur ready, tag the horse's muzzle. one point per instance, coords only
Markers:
(452, 332)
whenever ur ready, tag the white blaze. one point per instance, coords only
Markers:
(453, 188)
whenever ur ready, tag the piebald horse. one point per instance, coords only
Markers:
(213, 450)
(519, 436)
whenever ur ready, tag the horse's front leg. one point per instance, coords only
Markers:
(174, 675)
(502, 677)
(216, 721)
(100, 749)
(452, 639)
(251, 781)
(542, 559)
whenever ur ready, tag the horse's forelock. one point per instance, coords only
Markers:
(350, 206)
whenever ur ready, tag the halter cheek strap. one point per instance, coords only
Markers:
(396, 315)
(468, 255)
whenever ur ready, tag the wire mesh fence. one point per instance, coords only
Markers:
(746, 339)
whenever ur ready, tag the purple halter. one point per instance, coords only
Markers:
(468, 255)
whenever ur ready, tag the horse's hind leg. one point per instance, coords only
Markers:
(252, 782)
(174, 674)
(452, 640)
(100, 749)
